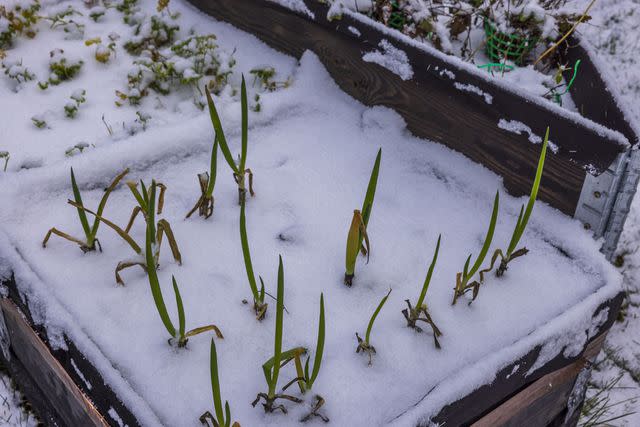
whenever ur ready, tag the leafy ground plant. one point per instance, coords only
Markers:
(365, 345)
(90, 232)
(271, 368)
(207, 181)
(179, 336)
(222, 417)
(146, 199)
(420, 311)
(462, 279)
(358, 229)
(259, 306)
(521, 223)
(239, 170)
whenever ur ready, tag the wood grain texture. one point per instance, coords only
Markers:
(542, 401)
(70, 404)
(430, 104)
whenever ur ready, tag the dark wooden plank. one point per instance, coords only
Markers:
(429, 103)
(604, 108)
(541, 402)
(70, 404)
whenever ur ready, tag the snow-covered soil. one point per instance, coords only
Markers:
(13, 412)
(311, 148)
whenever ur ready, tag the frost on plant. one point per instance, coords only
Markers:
(79, 147)
(61, 67)
(17, 20)
(420, 312)
(102, 53)
(145, 197)
(90, 232)
(17, 72)
(78, 97)
(63, 19)
(365, 345)
(358, 229)
(462, 279)
(152, 34)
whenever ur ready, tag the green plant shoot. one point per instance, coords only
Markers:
(207, 181)
(357, 237)
(271, 368)
(145, 198)
(240, 170)
(365, 345)
(462, 279)
(90, 232)
(521, 223)
(420, 311)
(222, 418)
(259, 306)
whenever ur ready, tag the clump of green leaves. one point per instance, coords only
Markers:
(521, 224)
(152, 34)
(420, 311)
(62, 19)
(222, 418)
(78, 97)
(80, 147)
(364, 345)
(61, 67)
(358, 229)
(18, 20)
(239, 170)
(265, 78)
(97, 12)
(39, 121)
(271, 368)
(462, 279)
(259, 306)
(207, 182)
(146, 198)
(17, 72)
(102, 53)
(90, 232)
(5, 155)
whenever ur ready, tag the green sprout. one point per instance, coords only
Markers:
(240, 169)
(90, 232)
(39, 121)
(5, 155)
(271, 368)
(359, 223)
(259, 306)
(264, 77)
(80, 146)
(521, 223)
(207, 182)
(420, 311)
(462, 279)
(146, 204)
(365, 345)
(222, 418)
(178, 336)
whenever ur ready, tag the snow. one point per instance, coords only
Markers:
(473, 89)
(12, 414)
(391, 58)
(296, 6)
(311, 148)
(519, 127)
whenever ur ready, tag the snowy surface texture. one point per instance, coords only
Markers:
(311, 149)
(391, 58)
(12, 414)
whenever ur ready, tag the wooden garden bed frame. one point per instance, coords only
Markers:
(64, 387)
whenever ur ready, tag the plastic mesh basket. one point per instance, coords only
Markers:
(512, 47)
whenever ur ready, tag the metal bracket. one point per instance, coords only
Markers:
(605, 200)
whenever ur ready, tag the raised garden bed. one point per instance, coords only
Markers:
(545, 318)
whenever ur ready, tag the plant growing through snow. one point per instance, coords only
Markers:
(102, 53)
(17, 72)
(271, 368)
(77, 98)
(5, 155)
(62, 19)
(420, 311)
(39, 121)
(462, 279)
(365, 345)
(145, 198)
(358, 228)
(222, 418)
(80, 146)
(521, 224)
(18, 20)
(239, 170)
(90, 232)
(97, 12)
(179, 336)
(259, 306)
(207, 181)
(153, 33)
(61, 67)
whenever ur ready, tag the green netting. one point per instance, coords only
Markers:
(512, 47)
